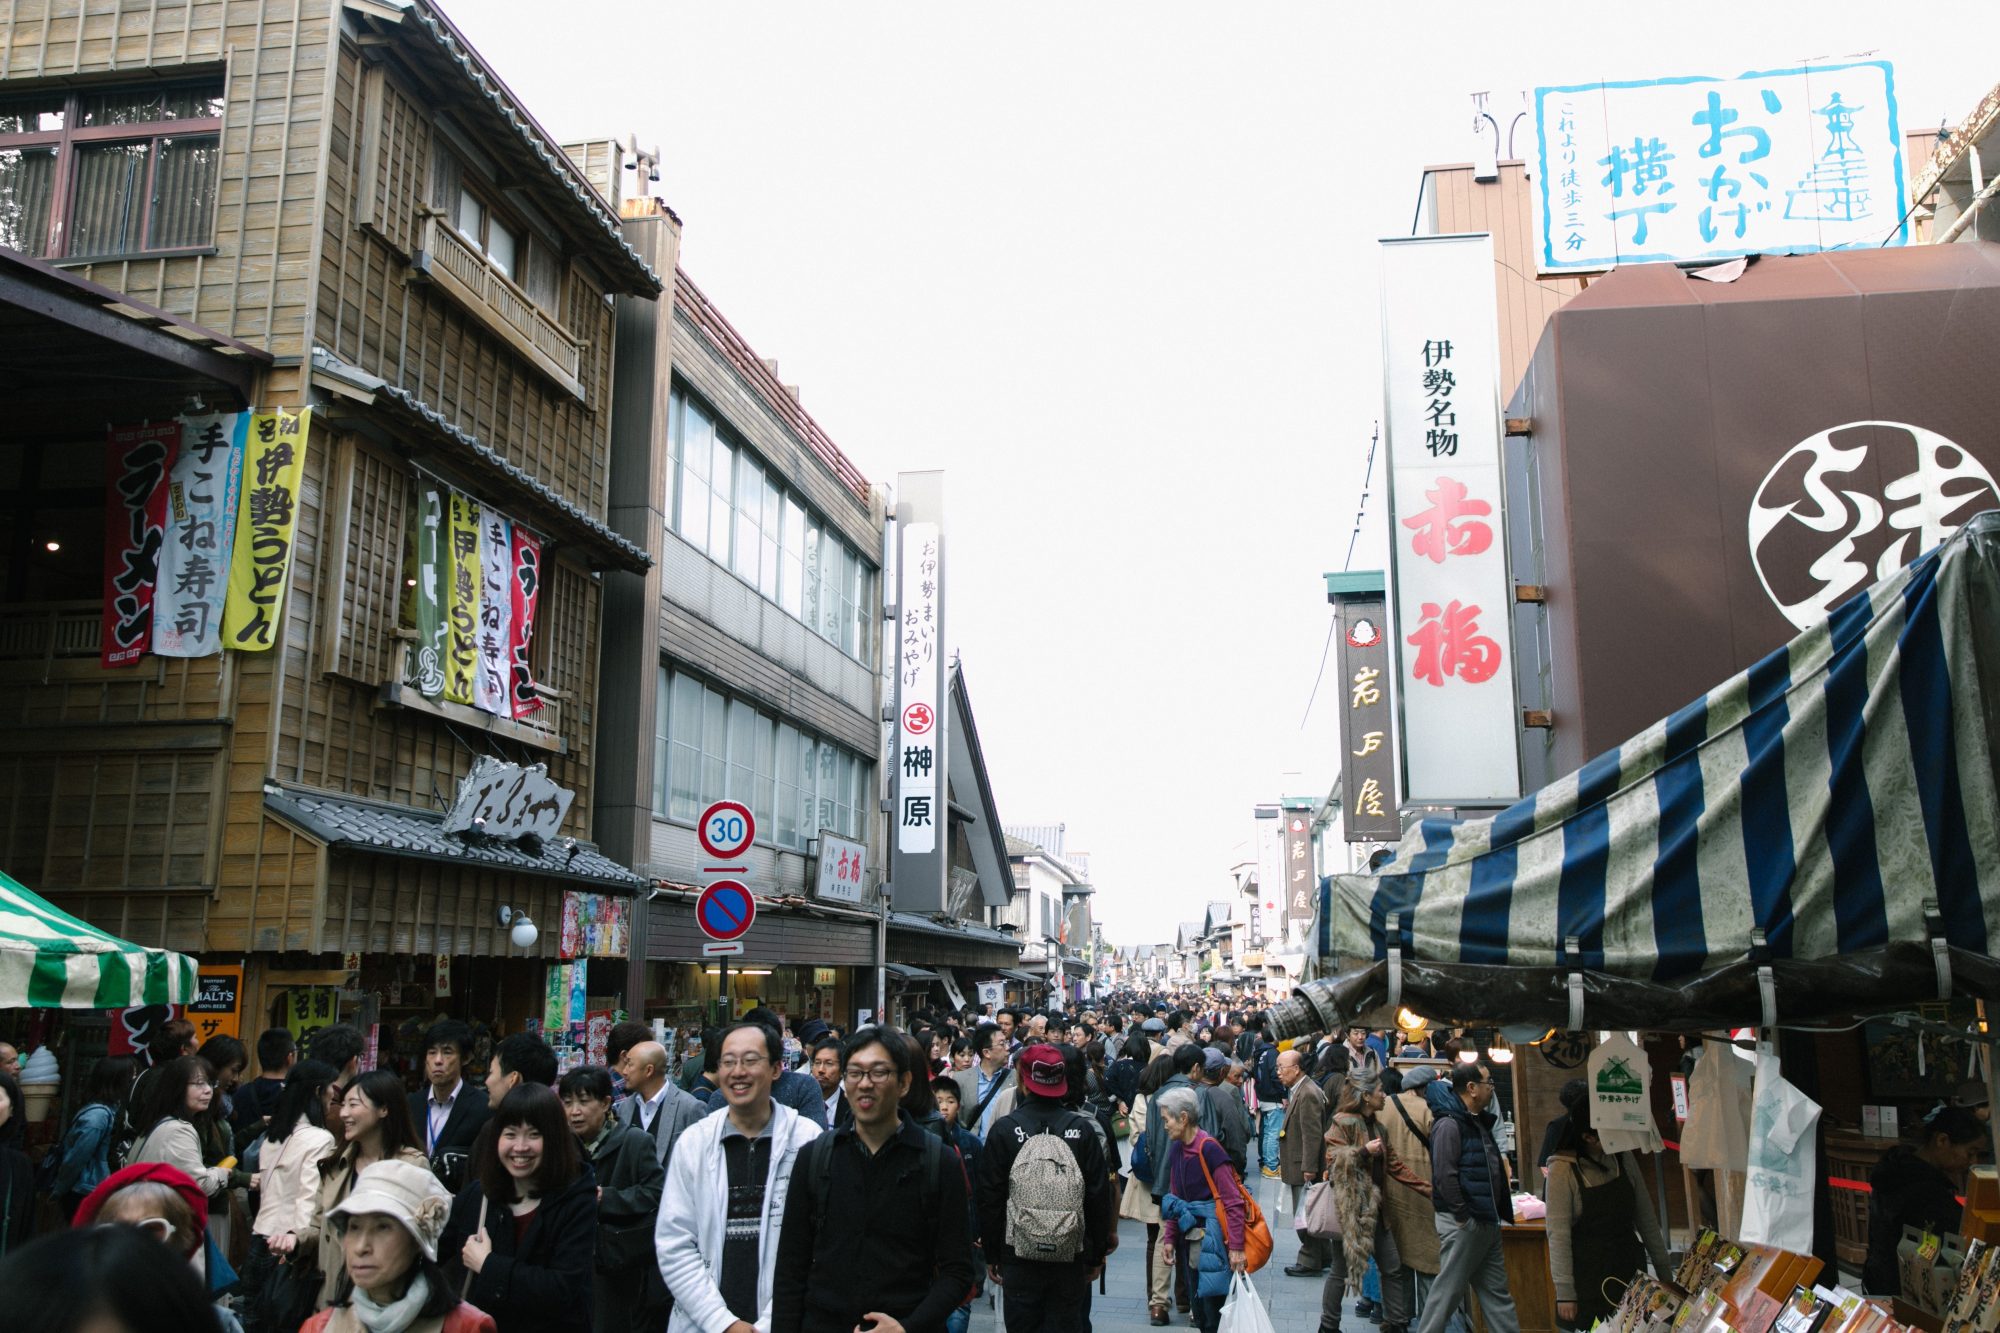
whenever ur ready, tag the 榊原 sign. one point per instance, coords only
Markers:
(1452, 593)
(1787, 161)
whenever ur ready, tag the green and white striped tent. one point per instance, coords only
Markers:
(51, 960)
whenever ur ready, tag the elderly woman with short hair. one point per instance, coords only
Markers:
(1204, 1199)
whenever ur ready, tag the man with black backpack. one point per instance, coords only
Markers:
(876, 1231)
(1044, 1202)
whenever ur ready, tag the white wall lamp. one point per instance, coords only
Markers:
(524, 932)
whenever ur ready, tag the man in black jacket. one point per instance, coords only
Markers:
(449, 1113)
(1041, 1296)
(1469, 1191)
(875, 1227)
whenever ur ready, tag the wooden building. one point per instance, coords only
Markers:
(344, 196)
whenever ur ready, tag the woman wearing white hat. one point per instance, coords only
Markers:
(388, 1227)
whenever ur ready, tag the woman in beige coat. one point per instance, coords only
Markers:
(1406, 1126)
(1138, 1204)
(180, 1094)
(376, 1116)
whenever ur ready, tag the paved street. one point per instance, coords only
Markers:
(1293, 1301)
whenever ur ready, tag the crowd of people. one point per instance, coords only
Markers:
(790, 1181)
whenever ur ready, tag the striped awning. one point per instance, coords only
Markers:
(51, 960)
(1819, 835)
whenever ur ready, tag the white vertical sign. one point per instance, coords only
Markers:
(920, 725)
(1452, 593)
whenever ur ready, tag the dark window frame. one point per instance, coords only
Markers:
(529, 241)
(73, 134)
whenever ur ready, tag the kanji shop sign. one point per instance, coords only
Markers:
(917, 658)
(843, 870)
(1301, 883)
(1789, 161)
(1452, 593)
(502, 800)
(1368, 754)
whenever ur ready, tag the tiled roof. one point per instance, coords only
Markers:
(1048, 837)
(701, 312)
(401, 830)
(955, 929)
(532, 142)
(619, 550)
(1020, 846)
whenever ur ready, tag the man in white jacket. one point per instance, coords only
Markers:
(724, 1203)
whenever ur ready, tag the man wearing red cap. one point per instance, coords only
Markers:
(1048, 1294)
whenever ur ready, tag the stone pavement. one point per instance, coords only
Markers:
(1292, 1301)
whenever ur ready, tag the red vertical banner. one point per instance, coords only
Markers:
(136, 459)
(526, 591)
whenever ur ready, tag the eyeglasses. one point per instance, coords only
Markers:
(877, 1074)
(749, 1064)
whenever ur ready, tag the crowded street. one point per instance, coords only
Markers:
(867, 666)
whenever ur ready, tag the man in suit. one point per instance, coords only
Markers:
(1301, 1151)
(989, 1073)
(448, 1114)
(653, 1105)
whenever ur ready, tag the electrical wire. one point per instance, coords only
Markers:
(1367, 479)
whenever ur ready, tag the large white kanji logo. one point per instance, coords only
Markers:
(1857, 526)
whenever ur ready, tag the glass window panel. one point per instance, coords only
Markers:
(767, 565)
(809, 599)
(503, 247)
(662, 738)
(447, 179)
(146, 105)
(27, 192)
(791, 580)
(700, 433)
(787, 760)
(742, 779)
(110, 188)
(863, 799)
(722, 484)
(833, 576)
(185, 177)
(471, 220)
(714, 746)
(37, 113)
(693, 523)
(850, 569)
(761, 795)
(808, 807)
(685, 733)
(749, 510)
(543, 277)
(773, 503)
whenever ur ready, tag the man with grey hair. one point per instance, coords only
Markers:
(1300, 1152)
(1225, 1100)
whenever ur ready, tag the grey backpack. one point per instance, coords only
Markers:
(1045, 1199)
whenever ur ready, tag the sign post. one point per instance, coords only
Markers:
(726, 909)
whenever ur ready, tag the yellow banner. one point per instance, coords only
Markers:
(266, 521)
(462, 585)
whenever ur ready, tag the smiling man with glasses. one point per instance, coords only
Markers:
(877, 1236)
(727, 1185)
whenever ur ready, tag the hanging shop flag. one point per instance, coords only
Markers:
(461, 658)
(525, 593)
(427, 610)
(274, 456)
(137, 459)
(920, 733)
(496, 609)
(200, 532)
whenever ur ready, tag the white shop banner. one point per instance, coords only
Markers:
(202, 493)
(496, 562)
(1786, 161)
(1450, 587)
(920, 725)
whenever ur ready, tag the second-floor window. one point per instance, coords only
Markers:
(727, 503)
(104, 172)
(524, 257)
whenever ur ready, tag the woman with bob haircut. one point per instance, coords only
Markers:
(375, 1115)
(390, 1281)
(523, 1234)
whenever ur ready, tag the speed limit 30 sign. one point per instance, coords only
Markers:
(726, 830)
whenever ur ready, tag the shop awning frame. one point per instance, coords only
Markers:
(1816, 838)
(52, 960)
(910, 972)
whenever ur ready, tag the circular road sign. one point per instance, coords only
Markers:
(726, 830)
(725, 910)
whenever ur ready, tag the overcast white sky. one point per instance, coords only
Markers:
(1112, 267)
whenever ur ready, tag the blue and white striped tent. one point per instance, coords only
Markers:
(1837, 801)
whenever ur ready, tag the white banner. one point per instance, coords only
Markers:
(201, 526)
(1450, 587)
(843, 870)
(1788, 162)
(920, 726)
(496, 562)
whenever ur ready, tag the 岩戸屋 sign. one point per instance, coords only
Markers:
(1787, 161)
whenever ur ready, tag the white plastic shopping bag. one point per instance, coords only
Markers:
(1244, 1311)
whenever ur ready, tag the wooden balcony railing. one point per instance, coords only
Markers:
(503, 307)
(542, 728)
(48, 632)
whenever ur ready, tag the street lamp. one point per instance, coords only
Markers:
(524, 932)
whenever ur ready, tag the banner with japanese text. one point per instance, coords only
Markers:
(525, 593)
(427, 597)
(202, 496)
(1368, 756)
(1452, 593)
(496, 609)
(1788, 161)
(274, 457)
(920, 724)
(1301, 877)
(136, 460)
(461, 607)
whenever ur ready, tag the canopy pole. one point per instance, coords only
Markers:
(1984, 1050)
